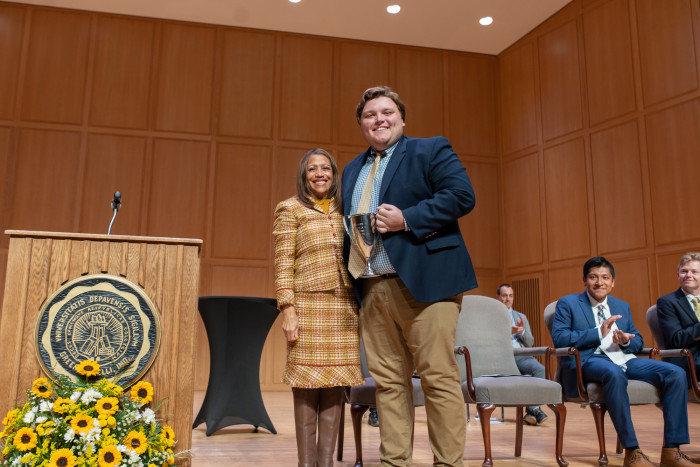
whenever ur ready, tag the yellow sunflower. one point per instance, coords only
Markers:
(62, 458)
(142, 392)
(168, 435)
(41, 387)
(136, 441)
(88, 368)
(107, 405)
(109, 456)
(82, 423)
(25, 439)
(62, 405)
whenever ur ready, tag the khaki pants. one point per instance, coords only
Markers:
(398, 333)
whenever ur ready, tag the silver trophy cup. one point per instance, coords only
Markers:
(362, 230)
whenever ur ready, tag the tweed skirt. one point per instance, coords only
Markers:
(327, 351)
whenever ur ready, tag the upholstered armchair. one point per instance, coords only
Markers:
(591, 394)
(490, 377)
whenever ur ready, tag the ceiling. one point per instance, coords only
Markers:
(442, 24)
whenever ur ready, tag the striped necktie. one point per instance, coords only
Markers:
(696, 307)
(601, 314)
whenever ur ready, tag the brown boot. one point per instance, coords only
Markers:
(635, 457)
(330, 405)
(674, 457)
(305, 419)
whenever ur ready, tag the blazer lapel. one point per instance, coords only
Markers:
(685, 306)
(396, 158)
(351, 180)
(585, 306)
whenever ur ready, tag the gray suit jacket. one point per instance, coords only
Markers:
(525, 338)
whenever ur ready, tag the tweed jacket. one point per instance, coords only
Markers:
(308, 250)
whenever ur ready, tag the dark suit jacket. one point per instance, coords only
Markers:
(679, 326)
(574, 326)
(426, 180)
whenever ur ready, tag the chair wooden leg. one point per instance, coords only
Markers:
(518, 431)
(484, 411)
(599, 410)
(560, 413)
(341, 431)
(356, 412)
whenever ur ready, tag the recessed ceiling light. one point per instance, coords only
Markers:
(393, 9)
(294, 1)
(485, 21)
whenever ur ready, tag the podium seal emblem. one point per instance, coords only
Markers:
(103, 318)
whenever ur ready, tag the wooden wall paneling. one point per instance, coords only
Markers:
(5, 140)
(568, 230)
(527, 291)
(113, 163)
(244, 280)
(617, 189)
(10, 49)
(3, 270)
(45, 181)
(667, 49)
(481, 228)
(55, 74)
(242, 221)
(673, 139)
(360, 66)
(521, 212)
(488, 280)
(565, 281)
(343, 158)
(306, 100)
(178, 181)
(286, 162)
(667, 270)
(185, 78)
(518, 102)
(420, 84)
(560, 81)
(247, 84)
(632, 285)
(609, 65)
(471, 92)
(122, 72)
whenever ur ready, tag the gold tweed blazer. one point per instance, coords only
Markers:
(308, 250)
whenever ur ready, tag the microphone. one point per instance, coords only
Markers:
(117, 200)
(116, 204)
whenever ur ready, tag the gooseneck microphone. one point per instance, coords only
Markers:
(116, 204)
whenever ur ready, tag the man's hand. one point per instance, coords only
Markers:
(389, 218)
(621, 337)
(607, 324)
(518, 328)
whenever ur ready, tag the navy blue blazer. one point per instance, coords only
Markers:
(574, 326)
(427, 181)
(679, 326)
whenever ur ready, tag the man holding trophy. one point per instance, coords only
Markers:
(402, 199)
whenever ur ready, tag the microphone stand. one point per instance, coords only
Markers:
(116, 204)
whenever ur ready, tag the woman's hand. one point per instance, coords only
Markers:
(290, 323)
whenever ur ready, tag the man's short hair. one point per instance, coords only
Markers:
(498, 291)
(597, 262)
(687, 258)
(379, 91)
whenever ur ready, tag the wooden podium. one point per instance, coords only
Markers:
(167, 270)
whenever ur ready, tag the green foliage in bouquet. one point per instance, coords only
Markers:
(88, 423)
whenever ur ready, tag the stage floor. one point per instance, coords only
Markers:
(238, 445)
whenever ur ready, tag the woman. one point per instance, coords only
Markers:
(319, 311)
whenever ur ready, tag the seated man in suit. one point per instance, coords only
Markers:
(679, 312)
(522, 337)
(601, 328)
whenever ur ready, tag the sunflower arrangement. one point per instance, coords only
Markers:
(91, 423)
